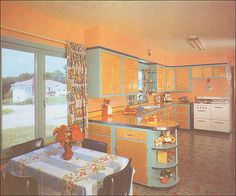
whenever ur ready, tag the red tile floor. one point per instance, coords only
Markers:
(206, 165)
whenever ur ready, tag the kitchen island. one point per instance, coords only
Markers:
(155, 161)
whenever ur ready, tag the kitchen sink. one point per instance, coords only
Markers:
(148, 107)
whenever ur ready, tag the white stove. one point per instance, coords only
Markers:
(212, 113)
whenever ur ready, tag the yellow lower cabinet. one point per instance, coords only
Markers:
(137, 151)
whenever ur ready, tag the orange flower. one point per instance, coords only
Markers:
(76, 134)
(65, 135)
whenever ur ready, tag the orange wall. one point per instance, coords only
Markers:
(24, 19)
(95, 104)
(200, 58)
(101, 36)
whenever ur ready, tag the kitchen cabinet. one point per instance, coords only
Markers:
(206, 71)
(170, 79)
(130, 75)
(183, 115)
(183, 80)
(196, 72)
(101, 133)
(128, 143)
(111, 73)
(209, 71)
(219, 71)
(161, 78)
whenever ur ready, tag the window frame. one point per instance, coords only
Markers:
(40, 51)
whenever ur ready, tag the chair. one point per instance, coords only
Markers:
(94, 145)
(20, 185)
(118, 183)
(23, 148)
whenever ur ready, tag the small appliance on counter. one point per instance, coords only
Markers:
(184, 99)
(167, 97)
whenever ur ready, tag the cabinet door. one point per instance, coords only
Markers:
(182, 79)
(170, 79)
(116, 75)
(130, 75)
(161, 78)
(196, 72)
(111, 76)
(206, 71)
(218, 71)
(137, 151)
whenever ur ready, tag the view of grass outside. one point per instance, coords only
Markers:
(18, 96)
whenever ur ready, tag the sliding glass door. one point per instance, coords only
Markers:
(33, 91)
(55, 92)
(17, 96)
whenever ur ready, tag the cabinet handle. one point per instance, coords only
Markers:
(218, 122)
(201, 110)
(128, 134)
(201, 121)
(218, 107)
(113, 87)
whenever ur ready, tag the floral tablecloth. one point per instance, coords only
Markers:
(82, 175)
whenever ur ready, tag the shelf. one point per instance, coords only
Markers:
(163, 166)
(172, 181)
(165, 146)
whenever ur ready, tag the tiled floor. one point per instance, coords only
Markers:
(206, 165)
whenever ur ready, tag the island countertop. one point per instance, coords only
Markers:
(134, 121)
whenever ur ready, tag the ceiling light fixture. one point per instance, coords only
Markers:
(195, 42)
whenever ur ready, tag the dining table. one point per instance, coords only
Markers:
(83, 174)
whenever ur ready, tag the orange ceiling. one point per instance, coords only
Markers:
(158, 24)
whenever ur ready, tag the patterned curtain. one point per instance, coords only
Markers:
(77, 98)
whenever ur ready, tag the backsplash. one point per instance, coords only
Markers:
(94, 104)
(221, 87)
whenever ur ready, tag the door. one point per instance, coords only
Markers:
(18, 96)
(111, 73)
(130, 75)
(170, 79)
(161, 78)
(137, 151)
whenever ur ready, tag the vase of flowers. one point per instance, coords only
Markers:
(68, 136)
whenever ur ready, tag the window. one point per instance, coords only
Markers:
(56, 104)
(24, 91)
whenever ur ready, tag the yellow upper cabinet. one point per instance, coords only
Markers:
(209, 71)
(219, 71)
(182, 79)
(161, 78)
(206, 71)
(130, 75)
(196, 72)
(170, 79)
(111, 73)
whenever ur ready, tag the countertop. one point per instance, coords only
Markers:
(136, 119)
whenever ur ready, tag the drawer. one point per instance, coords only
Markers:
(202, 124)
(220, 112)
(131, 134)
(99, 129)
(182, 109)
(218, 125)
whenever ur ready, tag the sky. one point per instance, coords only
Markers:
(16, 62)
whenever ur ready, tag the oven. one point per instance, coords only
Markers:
(212, 113)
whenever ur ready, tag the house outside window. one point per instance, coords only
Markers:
(24, 114)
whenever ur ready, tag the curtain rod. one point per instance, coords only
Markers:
(31, 34)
